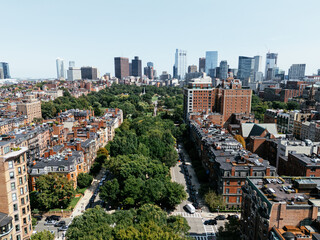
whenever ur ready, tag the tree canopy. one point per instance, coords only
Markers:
(146, 222)
(43, 235)
(84, 180)
(52, 191)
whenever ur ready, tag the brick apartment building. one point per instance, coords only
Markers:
(200, 96)
(226, 162)
(14, 192)
(277, 208)
(31, 107)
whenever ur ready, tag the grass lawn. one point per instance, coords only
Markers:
(81, 190)
(71, 206)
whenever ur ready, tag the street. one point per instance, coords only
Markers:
(196, 221)
(78, 210)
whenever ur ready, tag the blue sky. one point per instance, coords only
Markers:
(35, 32)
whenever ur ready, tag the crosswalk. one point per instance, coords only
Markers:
(184, 214)
(202, 237)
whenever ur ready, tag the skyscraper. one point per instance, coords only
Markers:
(180, 64)
(60, 68)
(246, 70)
(202, 64)
(297, 71)
(89, 73)
(5, 69)
(149, 64)
(271, 61)
(223, 73)
(136, 67)
(149, 71)
(121, 67)
(74, 74)
(211, 61)
(257, 63)
(192, 68)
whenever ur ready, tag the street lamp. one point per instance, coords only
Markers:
(218, 209)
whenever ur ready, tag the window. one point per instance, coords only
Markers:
(11, 174)
(23, 211)
(227, 190)
(239, 190)
(25, 189)
(24, 168)
(21, 190)
(22, 201)
(16, 217)
(26, 230)
(28, 208)
(14, 197)
(228, 182)
(238, 199)
(10, 164)
(27, 198)
(24, 220)
(25, 178)
(239, 182)
(20, 180)
(19, 170)
(312, 175)
(13, 186)
(15, 207)
(17, 228)
(18, 160)
(227, 199)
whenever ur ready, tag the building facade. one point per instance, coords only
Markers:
(31, 107)
(89, 73)
(136, 67)
(297, 71)
(180, 64)
(211, 61)
(121, 67)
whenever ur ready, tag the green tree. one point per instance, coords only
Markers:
(231, 230)
(53, 191)
(43, 235)
(213, 200)
(84, 180)
(292, 105)
(109, 192)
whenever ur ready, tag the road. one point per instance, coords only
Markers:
(78, 210)
(198, 229)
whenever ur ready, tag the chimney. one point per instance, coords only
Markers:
(66, 157)
(251, 171)
(268, 171)
(233, 170)
(78, 144)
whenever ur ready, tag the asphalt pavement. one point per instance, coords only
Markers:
(196, 221)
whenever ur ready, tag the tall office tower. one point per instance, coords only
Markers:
(202, 64)
(60, 68)
(297, 71)
(121, 67)
(318, 72)
(211, 61)
(149, 71)
(271, 61)
(224, 67)
(74, 74)
(136, 67)
(233, 72)
(246, 70)
(15, 208)
(5, 68)
(1, 73)
(72, 64)
(89, 73)
(257, 63)
(149, 64)
(180, 64)
(192, 68)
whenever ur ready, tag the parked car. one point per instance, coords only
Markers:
(190, 208)
(210, 222)
(220, 217)
(60, 224)
(232, 217)
(50, 222)
(55, 217)
(63, 228)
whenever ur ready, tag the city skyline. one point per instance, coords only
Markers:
(34, 55)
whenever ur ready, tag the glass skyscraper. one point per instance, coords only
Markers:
(180, 64)
(211, 61)
(271, 61)
(246, 70)
(60, 68)
(5, 69)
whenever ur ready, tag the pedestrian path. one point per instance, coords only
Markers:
(184, 214)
